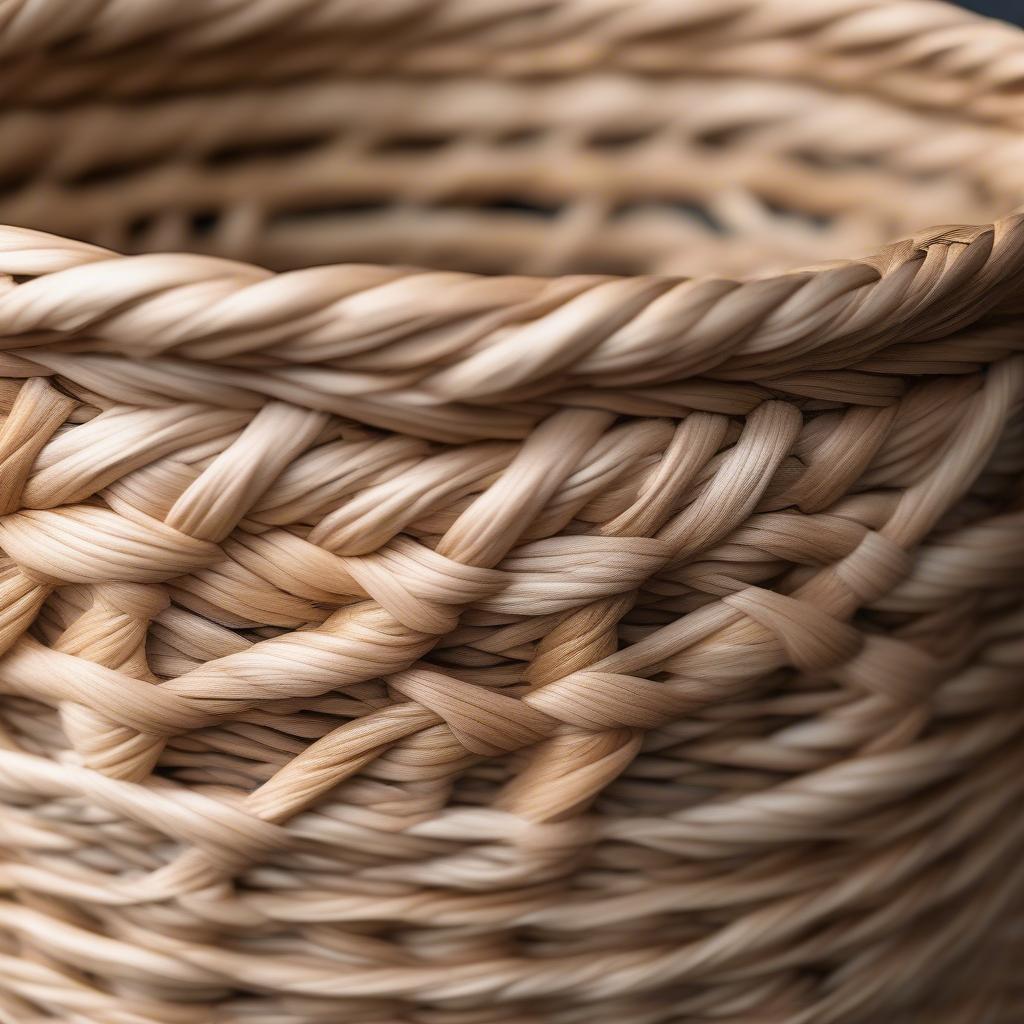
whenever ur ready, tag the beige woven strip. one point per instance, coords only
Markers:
(453, 569)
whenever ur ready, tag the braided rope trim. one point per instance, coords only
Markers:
(925, 53)
(424, 352)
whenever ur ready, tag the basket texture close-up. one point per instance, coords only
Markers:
(511, 513)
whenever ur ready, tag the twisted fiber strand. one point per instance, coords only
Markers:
(414, 645)
(212, 476)
(928, 53)
(621, 332)
(909, 519)
(20, 544)
(784, 918)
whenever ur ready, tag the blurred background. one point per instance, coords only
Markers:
(706, 157)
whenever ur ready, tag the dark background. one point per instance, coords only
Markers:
(1008, 10)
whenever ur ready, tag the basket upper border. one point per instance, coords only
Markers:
(423, 338)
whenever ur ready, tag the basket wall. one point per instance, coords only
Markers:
(453, 570)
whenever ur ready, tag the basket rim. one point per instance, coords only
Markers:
(515, 337)
(423, 340)
(973, 56)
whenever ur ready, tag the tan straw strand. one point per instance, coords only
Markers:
(511, 512)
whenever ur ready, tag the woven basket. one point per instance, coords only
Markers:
(606, 625)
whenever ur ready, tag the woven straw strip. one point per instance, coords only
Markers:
(453, 570)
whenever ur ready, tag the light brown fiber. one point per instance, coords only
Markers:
(454, 569)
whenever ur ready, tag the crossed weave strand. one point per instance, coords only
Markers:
(184, 578)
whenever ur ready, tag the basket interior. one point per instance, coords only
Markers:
(503, 138)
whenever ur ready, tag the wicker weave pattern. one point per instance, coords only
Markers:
(629, 137)
(387, 644)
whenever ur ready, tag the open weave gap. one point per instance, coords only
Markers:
(553, 607)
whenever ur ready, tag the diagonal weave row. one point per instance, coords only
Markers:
(386, 644)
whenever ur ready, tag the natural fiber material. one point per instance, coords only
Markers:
(544, 636)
